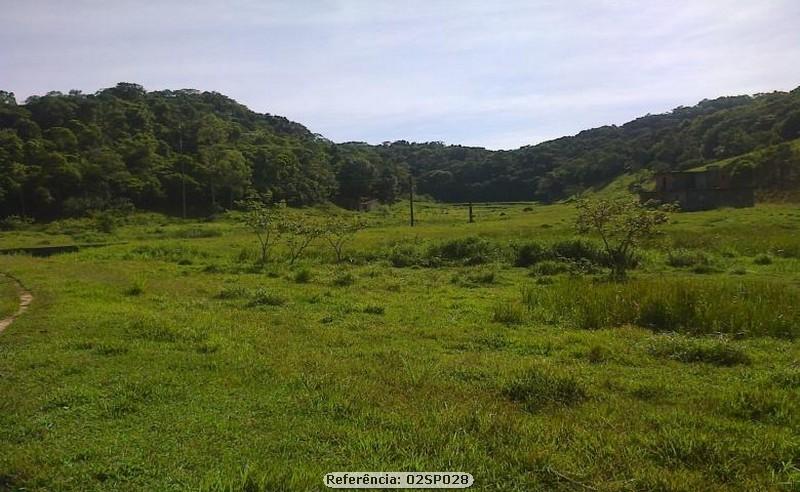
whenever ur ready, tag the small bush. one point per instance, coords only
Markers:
(405, 255)
(468, 251)
(580, 249)
(529, 254)
(762, 260)
(344, 279)
(538, 388)
(262, 297)
(716, 351)
(682, 258)
(508, 313)
(303, 276)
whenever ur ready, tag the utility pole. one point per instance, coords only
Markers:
(183, 169)
(411, 197)
(471, 217)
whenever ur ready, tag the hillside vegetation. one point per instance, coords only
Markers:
(122, 147)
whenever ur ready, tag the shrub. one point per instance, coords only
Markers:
(468, 251)
(344, 279)
(538, 388)
(716, 351)
(303, 276)
(529, 254)
(681, 258)
(508, 313)
(262, 297)
(762, 260)
(405, 255)
(580, 249)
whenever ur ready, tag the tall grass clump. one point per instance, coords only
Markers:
(538, 388)
(508, 313)
(692, 306)
(717, 351)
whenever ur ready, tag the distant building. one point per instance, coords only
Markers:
(702, 190)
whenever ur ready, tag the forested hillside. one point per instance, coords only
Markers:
(70, 154)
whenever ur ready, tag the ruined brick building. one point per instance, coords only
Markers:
(702, 190)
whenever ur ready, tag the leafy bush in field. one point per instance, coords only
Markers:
(405, 255)
(468, 251)
(762, 260)
(528, 254)
(262, 297)
(581, 249)
(716, 351)
(538, 388)
(732, 306)
(302, 276)
(681, 258)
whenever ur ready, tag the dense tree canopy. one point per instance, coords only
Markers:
(69, 154)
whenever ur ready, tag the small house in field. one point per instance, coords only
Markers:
(702, 190)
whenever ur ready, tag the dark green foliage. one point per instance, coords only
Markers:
(263, 297)
(467, 251)
(762, 260)
(78, 153)
(528, 254)
(681, 258)
(539, 388)
(302, 276)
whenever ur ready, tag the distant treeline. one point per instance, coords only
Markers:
(70, 154)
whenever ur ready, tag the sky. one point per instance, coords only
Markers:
(498, 74)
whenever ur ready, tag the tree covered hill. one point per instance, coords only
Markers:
(69, 154)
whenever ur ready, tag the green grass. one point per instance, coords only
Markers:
(9, 298)
(220, 375)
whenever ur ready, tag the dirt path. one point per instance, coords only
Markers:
(25, 299)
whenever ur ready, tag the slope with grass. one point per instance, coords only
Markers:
(173, 362)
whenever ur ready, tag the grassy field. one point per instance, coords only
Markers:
(8, 297)
(171, 362)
